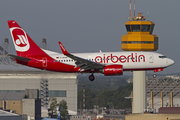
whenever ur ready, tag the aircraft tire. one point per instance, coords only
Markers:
(91, 77)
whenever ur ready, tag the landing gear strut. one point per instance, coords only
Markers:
(91, 77)
(154, 75)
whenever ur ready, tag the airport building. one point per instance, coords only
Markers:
(62, 86)
(163, 92)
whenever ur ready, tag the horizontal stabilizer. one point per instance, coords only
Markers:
(20, 58)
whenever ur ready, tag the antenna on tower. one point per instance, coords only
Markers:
(130, 11)
(134, 8)
(148, 16)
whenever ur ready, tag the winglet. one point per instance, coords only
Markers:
(64, 51)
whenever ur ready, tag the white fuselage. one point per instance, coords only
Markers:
(130, 60)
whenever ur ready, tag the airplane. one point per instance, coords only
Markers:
(107, 63)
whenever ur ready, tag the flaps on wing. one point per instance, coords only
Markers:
(84, 64)
(20, 58)
(80, 64)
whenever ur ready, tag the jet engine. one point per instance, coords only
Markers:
(112, 70)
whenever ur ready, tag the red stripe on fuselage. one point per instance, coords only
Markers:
(52, 64)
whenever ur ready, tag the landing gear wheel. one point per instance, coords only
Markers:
(154, 75)
(91, 77)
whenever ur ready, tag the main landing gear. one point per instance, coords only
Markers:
(91, 77)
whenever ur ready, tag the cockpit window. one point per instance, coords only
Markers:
(162, 57)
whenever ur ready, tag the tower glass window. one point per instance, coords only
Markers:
(135, 28)
(152, 27)
(128, 28)
(145, 28)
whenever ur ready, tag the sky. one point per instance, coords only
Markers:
(91, 25)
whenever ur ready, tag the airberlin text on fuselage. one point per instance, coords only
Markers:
(113, 58)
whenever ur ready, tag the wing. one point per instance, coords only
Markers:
(81, 62)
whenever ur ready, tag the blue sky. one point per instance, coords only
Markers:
(91, 25)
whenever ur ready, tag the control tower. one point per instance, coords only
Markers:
(139, 37)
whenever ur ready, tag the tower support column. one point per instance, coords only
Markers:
(139, 91)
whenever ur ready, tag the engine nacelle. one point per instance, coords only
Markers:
(112, 70)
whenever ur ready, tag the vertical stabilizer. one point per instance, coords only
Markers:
(24, 45)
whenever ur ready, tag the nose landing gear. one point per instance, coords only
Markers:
(154, 75)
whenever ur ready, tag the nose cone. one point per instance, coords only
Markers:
(170, 62)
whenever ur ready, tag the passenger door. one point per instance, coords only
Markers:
(151, 58)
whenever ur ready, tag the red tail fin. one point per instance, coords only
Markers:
(24, 45)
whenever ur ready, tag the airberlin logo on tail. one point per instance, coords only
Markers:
(62, 47)
(20, 39)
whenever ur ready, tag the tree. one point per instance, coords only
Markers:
(89, 96)
(53, 105)
(110, 105)
(115, 98)
(64, 112)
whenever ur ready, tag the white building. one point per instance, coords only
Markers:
(50, 84)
